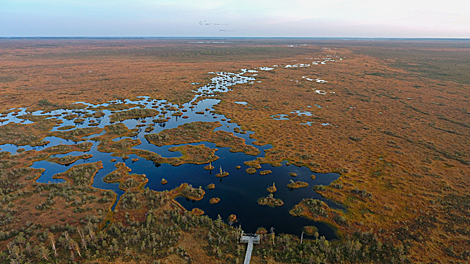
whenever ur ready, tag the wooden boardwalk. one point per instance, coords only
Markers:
(250, 239)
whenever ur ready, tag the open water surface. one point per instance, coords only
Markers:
(238, 192)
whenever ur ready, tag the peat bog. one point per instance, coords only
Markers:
(163, 150)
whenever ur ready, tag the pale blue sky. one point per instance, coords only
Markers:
(235, 18)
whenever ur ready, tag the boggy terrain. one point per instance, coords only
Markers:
(387, 116)
(400, 140)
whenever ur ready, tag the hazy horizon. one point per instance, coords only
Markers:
(224, 38)
(184, 18)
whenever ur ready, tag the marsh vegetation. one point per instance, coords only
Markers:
(393, 121)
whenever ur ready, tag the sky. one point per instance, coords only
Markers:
(235, 18)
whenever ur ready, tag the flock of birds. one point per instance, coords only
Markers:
(206, 23)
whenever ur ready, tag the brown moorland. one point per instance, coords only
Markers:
(201, 131)
(397, 132)
(392, 118)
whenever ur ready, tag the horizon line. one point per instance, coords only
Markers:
(226, 37)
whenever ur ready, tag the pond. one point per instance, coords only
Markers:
(238, 192)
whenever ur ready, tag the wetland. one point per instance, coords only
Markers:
(163, 150)
(177, 149)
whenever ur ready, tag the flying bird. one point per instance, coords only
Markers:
(205, 23)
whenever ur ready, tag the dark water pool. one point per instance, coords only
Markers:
(238, 192)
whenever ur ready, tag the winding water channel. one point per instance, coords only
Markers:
(238, 192)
